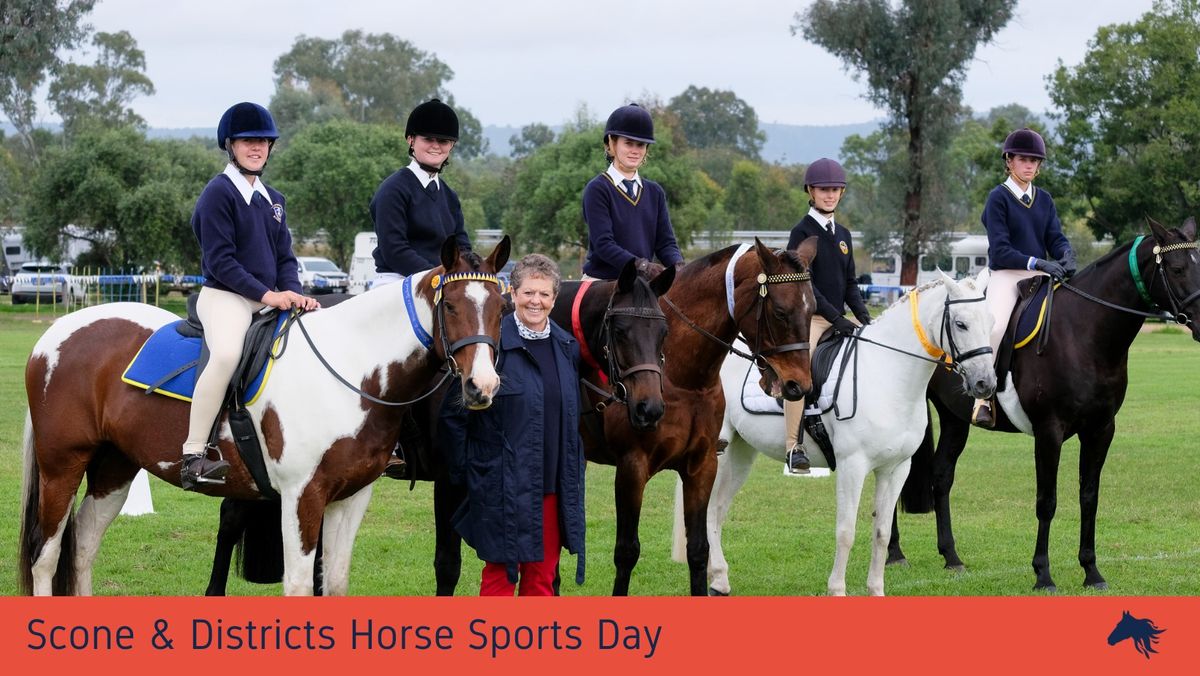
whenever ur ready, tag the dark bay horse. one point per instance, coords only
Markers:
(1075, 387)
(325, 444)
(764, 297)
(623, 329)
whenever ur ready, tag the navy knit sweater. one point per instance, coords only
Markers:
(244, 248)
(1016, 232)
(620, 229)
(834, 281)
(411, 224)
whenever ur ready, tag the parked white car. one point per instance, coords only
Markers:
(45, 282)
(321, 275)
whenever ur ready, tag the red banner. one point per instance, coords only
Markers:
(603, 635)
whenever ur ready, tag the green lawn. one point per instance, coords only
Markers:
(779, 537)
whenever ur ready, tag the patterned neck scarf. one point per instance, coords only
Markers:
(529, 334)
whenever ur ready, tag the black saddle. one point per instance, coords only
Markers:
(1023, 324)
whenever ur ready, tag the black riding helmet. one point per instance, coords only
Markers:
(433, 119)
(632, 122)
(1025, 142)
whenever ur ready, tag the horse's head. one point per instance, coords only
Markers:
(467, 313)
(635, 329)
(777, 329)
(963, 331)
(1178, 259)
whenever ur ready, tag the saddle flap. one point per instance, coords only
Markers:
(823, 358)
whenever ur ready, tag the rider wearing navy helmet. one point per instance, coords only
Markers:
(247, 260)
(834, 280)
(626, 214)
(1025, 238)
(413, 209)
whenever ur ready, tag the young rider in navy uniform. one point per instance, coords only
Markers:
(626, 214)
(414, 212)
(413, 209)
(834, 281)
(248, 264)
(1025, 238)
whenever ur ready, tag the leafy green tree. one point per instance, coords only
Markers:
(8, 185)
(1129, 121)
(532, 137)
(100, 94)
(32, 32)
(914, 55)
(763, 197)
(366, 77)
(718, 119)
(132, 198)
(330, 171)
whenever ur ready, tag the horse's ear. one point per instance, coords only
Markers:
(449, 253)
(499, 256)
(1159, 232)
(628, 275)
(769, 262)
(807, 250)
(981, 281)
(1189, 228)
(661, 284)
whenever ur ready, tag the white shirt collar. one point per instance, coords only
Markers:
(423, 176)
(243, 186)
(820, 217)
(1012, 186)
(617, 177)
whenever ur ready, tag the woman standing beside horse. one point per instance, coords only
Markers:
(524, 464)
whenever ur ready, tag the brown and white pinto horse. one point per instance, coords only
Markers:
(764, 297)
(325, 444)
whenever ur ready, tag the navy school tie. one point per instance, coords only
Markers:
(1025, 199)
(432, 189)
(629, 188)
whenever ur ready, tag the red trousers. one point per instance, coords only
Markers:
(536, 578)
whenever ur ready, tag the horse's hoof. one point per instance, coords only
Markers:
(714, 592)
(1098, 586)
(956, 568)
(1046, 589)
(903, 562)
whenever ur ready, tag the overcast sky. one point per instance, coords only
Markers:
(538, 60)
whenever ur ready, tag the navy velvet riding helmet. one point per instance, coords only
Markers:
(246, 120)
(1025, 142)
(825, 173)
(433, 119)
(631, 121)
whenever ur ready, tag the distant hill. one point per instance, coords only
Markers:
(786, 143)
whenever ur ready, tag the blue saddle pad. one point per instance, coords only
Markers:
(1031, 321)
(167, 351)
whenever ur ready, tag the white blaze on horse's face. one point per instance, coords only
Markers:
(483, 369)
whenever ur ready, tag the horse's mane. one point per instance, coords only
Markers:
(473, 259)
(904, 298)
(1144, 634)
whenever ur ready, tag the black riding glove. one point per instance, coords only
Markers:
(1068, 262)
(1052, 268)
(843, 327)
(648, 269)
(863, 319)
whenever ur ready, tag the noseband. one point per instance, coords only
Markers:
(439, 282)
(613, 374)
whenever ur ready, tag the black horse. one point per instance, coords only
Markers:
(623, 328)
(1075, 386)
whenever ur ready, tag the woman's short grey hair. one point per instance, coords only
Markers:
(536, 265)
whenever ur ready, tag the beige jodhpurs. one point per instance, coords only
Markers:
(225, 316)
(793, 411)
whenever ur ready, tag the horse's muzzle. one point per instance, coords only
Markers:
(645, 414)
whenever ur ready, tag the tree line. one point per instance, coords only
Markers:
(1119, 137)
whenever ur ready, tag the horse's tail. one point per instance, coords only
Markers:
(32, 537)
(679, 533)
(260, 550)
(917, 495)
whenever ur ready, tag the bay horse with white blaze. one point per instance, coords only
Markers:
(876, 425)
(1075, 386)
(749, 291)
(324, 444)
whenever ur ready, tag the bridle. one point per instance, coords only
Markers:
(611, 373)
(450, 367)
(758, 354)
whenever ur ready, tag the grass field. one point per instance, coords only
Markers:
(779, 537)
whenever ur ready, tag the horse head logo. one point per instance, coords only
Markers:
(1142, 631)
